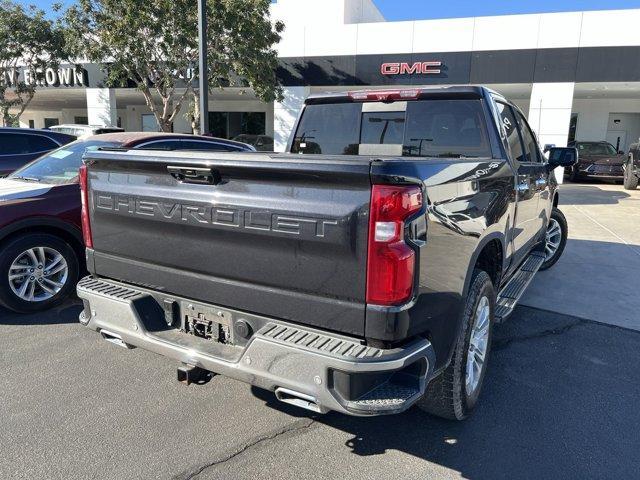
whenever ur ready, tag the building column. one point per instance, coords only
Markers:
(550, 114)
(101, 107)
(285, 114)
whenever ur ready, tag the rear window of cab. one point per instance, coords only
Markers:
(418, 128)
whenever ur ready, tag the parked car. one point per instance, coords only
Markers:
(363, 284)
(596, 160)
(18, 146)
(262, 143)
(84, 130)
(41, 249)
(632, 167)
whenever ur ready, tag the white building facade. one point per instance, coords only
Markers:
(576, 75)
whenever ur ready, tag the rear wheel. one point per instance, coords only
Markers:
(630, 180)
(454, 393)
(555, 238)
(37, 271)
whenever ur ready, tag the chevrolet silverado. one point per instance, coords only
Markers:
(360, 272)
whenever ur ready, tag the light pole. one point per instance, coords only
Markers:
(203, 83)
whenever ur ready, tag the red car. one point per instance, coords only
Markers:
(41, 248)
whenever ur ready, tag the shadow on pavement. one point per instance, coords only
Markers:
(580, 194)
(68, 312)
(560, 401)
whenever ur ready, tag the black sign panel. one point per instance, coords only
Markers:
(592, 64)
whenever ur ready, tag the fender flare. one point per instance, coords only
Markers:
(474, 257)
(467, 281)
(32, 223)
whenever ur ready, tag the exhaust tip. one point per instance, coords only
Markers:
(115, 339)
(299, 400)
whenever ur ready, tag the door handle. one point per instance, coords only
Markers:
(200, 175)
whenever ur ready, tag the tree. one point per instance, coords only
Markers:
(154, 44)
(29, 45)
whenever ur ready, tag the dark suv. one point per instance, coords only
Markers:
(598, 160)
(19, 146)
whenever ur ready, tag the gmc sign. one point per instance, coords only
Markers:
(417, 68)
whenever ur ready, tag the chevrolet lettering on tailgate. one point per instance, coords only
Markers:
(215, 215)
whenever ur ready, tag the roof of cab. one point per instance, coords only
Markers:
(421, 92)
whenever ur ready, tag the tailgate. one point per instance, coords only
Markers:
(277, 235)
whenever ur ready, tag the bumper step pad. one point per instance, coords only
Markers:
(512, 292)
(316, 341)
(385, 396)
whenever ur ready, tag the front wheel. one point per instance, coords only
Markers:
(37, 271)
(454, 393)
(555, 238)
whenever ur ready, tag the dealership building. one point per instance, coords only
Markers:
(576, 75)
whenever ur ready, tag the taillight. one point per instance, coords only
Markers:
(390, 261)
(84, 198)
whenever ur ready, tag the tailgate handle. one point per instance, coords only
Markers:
(207, 176)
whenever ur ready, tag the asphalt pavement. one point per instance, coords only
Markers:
(560, 401)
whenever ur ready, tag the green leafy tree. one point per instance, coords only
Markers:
(30, 43)
(154, 44)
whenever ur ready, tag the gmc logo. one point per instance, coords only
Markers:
(417, 68)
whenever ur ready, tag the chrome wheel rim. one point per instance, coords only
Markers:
(478, 345)
(553, 239)
(38, 274)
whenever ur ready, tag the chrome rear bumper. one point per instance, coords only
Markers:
(306, 367)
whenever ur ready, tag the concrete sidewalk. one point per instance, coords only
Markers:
(598, 277)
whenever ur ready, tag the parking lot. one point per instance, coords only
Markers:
(560, 401)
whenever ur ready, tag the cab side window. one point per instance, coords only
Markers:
(532, 153)
(510, 126)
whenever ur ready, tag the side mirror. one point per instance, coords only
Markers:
(562, 157)
(548, 147)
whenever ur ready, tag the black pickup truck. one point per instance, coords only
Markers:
(362, 272)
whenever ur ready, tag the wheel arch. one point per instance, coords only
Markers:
(491, 248)
(489, 255)
(67, 232)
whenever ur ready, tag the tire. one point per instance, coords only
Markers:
(48, 290)
(447, 395)
(630, 181)
(553, 249)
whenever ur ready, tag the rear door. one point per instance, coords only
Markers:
(536, 164)
(266, 234)
(526, 223)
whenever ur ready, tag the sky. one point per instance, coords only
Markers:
(425, 9)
